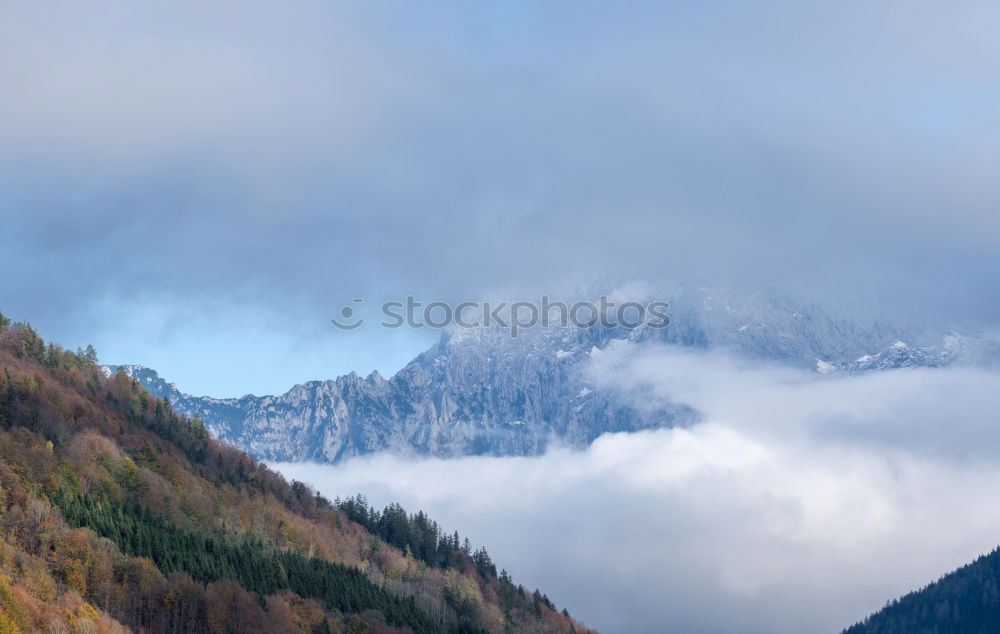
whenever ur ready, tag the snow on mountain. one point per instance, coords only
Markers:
(480, 391)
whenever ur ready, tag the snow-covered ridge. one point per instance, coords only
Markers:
(954, 349)
(480, 391)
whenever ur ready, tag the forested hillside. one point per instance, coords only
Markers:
(966, 601)
(117, 514)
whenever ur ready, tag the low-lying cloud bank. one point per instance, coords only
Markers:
(801, 503)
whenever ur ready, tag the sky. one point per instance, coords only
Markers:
(799, 505)
(198, 187)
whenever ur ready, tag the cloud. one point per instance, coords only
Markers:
(800, 505)
(285, 159)
(123, 83)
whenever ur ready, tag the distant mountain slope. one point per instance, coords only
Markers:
(480, 391)
(966, 601)
(117, 514)
(462, 397)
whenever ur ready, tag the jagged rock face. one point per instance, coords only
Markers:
(481, 391)
(463, 397)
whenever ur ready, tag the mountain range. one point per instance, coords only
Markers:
(481, 391)
(120, 514)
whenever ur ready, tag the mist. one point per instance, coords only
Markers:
(240, 172)
(801, 503)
